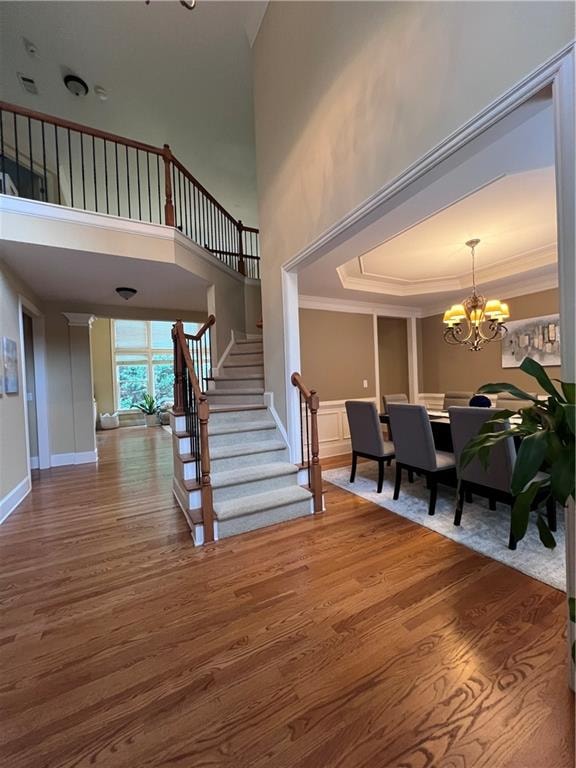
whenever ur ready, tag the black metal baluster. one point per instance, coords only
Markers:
(31, 161)
(94, 171)
(57, 163)
(148, 179)
(106, 176)
(70, 169)
(159, 193)
(83, 171)
(117, 178)
(138, 183)
(128, 182)
(17, 153)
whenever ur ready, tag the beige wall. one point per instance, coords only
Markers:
(337, 352)
(393, 354)
(350, 94)
(13, 450)
(446, 367)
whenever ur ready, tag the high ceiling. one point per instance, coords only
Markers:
(173, 76)
(500, 189)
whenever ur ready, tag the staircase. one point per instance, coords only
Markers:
(254, 485)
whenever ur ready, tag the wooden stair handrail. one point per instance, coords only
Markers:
(197, 336)
(207, 501)
(313, 402)
(164, 152)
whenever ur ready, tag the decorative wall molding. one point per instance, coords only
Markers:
(14, 497)
(333, 432)
(67, 459)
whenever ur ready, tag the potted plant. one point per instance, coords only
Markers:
(547, 429)
(149, 409)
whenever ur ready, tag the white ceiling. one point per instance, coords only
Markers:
(500, 189)
(175, 76)
(90, 280)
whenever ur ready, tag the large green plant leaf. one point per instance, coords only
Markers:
(570, 413)
(569, 390)
(534, 369)
(531, 455)
(546, 536)
(521, 510)
(562, 476)
(519, 394)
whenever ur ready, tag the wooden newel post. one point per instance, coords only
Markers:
(178, 409)
(168, 204)
(205, 482)
(241, 265)
(315, 469)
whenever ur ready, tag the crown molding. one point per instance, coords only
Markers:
(330, 304)
(79, 319)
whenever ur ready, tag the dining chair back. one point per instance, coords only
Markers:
(456, 398)
(397, 398)
(465, 423)
(413, 439)
(365, 428)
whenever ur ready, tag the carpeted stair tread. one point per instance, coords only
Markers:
(229, 451)
(248, 505)
(245, 426)
(248, 474)
(245, 377)
(242, 391)
(233, 407)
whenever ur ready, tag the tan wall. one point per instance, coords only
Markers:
(13, 458)
(102, 367)
(337, 353)
(393, 354)
(445, 367)
(350, 94)
(30, 386)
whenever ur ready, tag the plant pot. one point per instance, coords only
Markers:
(151, 419)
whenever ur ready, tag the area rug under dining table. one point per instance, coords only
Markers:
(482, 529)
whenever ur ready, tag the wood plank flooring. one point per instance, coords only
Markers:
(355, 639)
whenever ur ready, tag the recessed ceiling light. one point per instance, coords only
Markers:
(76, 85)
(126, 293)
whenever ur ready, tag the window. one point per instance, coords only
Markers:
(143, 360)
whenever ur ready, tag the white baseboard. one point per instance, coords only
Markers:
(67, 459)
(12, 499)
(269, 402)
(233, 336)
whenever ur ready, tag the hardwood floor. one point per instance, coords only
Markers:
(355, 639)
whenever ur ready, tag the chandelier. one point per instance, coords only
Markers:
(477, 320)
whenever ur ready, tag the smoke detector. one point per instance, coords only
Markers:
(101, 92)
(76, 85)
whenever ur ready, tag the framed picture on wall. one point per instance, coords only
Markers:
(536, 337)
(10, 355)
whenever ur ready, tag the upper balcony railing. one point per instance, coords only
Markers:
(57, 161)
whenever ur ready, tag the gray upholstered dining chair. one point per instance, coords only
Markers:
(456, 398)
(366, 436)
(495, 480)
(415, 450)
(400, 397)
(397, 398)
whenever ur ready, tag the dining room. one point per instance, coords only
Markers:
(456, 289)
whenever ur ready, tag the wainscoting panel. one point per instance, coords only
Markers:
(333, 432)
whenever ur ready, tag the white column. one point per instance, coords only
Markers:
(291, 360)
(82, 386)
(412, 338)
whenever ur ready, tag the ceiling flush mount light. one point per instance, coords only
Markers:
(476, 321)
(76, 85)
(126, 293)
